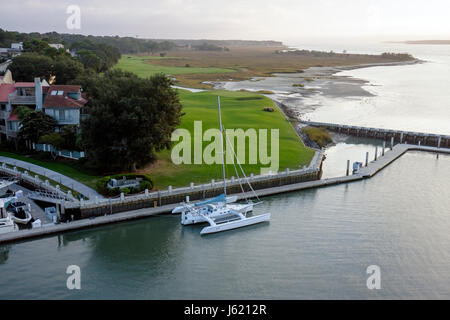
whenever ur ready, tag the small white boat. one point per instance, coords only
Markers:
(19, 214)
(17, 218)
(6, 223)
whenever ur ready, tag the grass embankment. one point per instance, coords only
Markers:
(239, 110)
(248, 62)
(144, 66)
(318, 135)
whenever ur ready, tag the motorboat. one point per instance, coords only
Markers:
(19, 213)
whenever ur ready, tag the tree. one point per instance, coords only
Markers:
(65, 69)
(22, 111)
(27, 66)
(55, 139)
(129, 119)
(34, 125)
(69, 134)
(90, 60)
(36, 46)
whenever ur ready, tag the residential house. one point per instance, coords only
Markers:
(17, 46)
(63, 102)
(56, 45)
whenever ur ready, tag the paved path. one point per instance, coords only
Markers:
(58, 177)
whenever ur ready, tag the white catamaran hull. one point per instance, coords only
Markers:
(236, 224)
(193, 218)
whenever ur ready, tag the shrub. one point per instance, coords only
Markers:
(102, 188)
(145, 185)
(318, 135)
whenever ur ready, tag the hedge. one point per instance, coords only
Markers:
(102, 188)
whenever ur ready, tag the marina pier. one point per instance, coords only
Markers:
(389, 135)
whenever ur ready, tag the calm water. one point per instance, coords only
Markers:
(317, 245)
(409, 97)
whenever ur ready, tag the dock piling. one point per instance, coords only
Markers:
(367, 158)
(392, 142)
(348, 167)
(384, 146)
(376, 153)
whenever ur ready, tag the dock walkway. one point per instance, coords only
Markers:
(56, 176)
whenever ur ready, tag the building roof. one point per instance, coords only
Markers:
(24, 84)
(5, 90)
(57, 97)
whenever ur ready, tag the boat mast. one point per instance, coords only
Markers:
(221, 144)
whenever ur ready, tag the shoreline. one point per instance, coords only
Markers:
(294, 92)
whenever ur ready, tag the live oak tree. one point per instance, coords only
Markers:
(129, 119)
(27, 66)
(34, 125)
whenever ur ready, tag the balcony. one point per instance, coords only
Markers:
(4, 114)
(22, 100)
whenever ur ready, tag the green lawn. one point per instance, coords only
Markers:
(239, 110)
(142, 67)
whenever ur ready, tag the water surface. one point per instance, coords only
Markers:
(317, 245)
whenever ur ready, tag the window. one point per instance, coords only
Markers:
(53, 93)
(2, 122)
(60, 93)
(12, 125)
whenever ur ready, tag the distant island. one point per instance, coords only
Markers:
(427, 42)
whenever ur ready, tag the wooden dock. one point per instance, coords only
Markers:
(388, 135)
(365, 172)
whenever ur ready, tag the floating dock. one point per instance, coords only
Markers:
(372, 168)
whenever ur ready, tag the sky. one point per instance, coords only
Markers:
(283, 20)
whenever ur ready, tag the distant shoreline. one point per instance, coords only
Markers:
(431, 42)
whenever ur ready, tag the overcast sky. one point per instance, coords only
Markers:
(285, 20)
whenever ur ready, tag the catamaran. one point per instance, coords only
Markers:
(222, 213)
